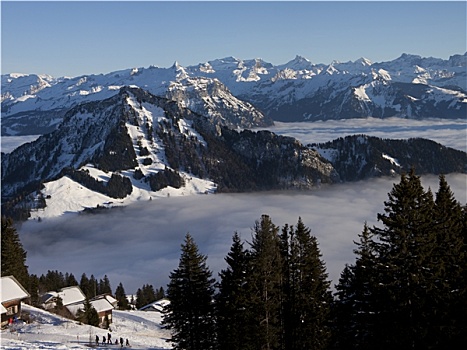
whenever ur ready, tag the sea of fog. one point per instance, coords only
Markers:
(140, 244)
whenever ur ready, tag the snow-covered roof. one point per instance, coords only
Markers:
(156, 306)
(2, 309)
(71, 295)
(11, 289)
(100, 305)
(108, 297)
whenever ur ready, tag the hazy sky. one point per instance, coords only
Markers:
(74, 38)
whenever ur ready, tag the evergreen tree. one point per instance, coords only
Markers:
(13, 254)
(404, 249)
(104, 286)
(70, 280)
(232, 313)
(447, 299)
(88, 315)
(265, 286)
(53, 281)
(145, 296)
(355, 305)
(309, 316)
(140, 301)
(88, 286)
(34, 290)
(122, 301)
(160, 293)
(91, 292)
(190, 314)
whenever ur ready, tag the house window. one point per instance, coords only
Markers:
(12, 310)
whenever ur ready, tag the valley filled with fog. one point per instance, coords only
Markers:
(140, 244)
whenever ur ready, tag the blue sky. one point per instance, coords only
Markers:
(75, 38)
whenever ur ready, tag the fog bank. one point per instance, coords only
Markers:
(140, 244)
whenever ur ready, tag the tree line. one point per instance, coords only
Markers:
(406, 288)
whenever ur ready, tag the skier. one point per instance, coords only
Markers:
(127, 342)
(97, 340)
(108, 337)
(103, 340)
(121, 342)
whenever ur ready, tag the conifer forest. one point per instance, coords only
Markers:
(406, 289)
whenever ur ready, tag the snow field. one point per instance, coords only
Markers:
(49, 331)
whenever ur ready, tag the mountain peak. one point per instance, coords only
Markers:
(364, 62)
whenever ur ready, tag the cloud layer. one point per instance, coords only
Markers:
(140, 244)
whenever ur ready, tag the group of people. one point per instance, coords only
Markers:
(108, 340)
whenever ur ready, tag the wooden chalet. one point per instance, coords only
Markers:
(12, 294)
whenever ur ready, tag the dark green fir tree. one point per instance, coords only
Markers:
(404, 265)
(310, 292)
(13, 254)
(354, 309)
(122, 301)
(88, 315)
(265, 286)
(190, 314)
(231, 301)
(448, 305)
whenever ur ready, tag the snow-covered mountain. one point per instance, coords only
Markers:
(34, 104)
(136, 133)
(135, 144)
(254, 92)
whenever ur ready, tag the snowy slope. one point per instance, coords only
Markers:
(68, 196)
(49, 331)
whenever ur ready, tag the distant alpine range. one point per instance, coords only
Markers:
(135, 132)
(253, 92)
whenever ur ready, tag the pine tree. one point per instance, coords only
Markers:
(447, 299)
(122, 301)
(70, 280)
(160, 293)
(265, 286)
(103, 286)
(190, 314)
(311, 297)
(355, 305)
(13, 254)
(232, 313)
(34, 290)
(145, 295)
(405, 246)
(88, 315)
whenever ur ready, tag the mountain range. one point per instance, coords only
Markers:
(253, 92)
(136, 132)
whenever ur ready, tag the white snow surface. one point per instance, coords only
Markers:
(49, 331)
(69, 197)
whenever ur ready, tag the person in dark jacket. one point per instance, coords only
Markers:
(121, 342)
